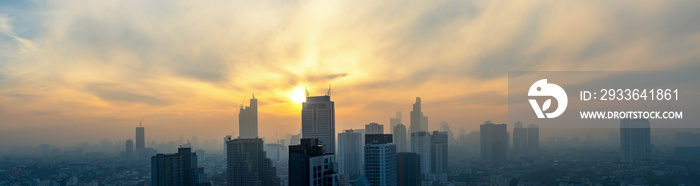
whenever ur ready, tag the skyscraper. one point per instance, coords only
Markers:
(408, 169)
(394, 121)
(520, 140)
(400, 138)
(374, 128)
(380, 159)
(494, 143)
(635, 139)
(350, 153)
(318, 121)
(533, 139)
(176, 169)
(140, 150)
(438, 152)
(310, 165)
(247, 163)
(129, 152)
(248, 120)
(416, 117)
(227, 138)
(420, 144)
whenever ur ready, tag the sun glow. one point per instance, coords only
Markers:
(297, 95)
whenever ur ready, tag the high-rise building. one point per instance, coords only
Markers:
(318, 121)
(374, 128)
(248, 120)
(227, 138)
(420, 144)
(400, 138)
(140, 150)
(438, 152)
(129, 153)
(533, 139)
(519, 140)
(408, 169)
(177, 169)
(247, 163)
(380, 159)
(635, 139)
(416, 117)
(394, 121)
(310, 165)
(350, 153)
(494, 143)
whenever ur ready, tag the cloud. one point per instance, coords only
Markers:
(118, 94)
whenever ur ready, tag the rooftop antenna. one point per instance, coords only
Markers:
(143, 119)
(307, 91)
(329, 90)
(253, 95)
(243, 100)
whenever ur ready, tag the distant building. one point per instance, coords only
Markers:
(310, 165)
(408, 169)
(380, 159)
(533, 139)
(248, 120)
(420, 144)
(519, 140)
(227, 138)
(635, 139)
(394, 121)
(350, 153)
(247, 163)
(494, 143)
(318, 121)
(129, 152)
(418, 121)
(177, 169)
(438, 152)
(400, 138)
(374, 128)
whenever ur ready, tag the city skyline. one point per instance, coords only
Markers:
(73, 66)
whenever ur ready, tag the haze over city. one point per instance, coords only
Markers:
(78, 71)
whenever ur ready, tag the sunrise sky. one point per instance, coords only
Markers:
(82, 71)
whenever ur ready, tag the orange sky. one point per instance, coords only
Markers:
(85, 71)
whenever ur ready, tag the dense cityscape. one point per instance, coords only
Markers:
(495, 155)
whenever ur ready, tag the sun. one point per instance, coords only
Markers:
(297, 95)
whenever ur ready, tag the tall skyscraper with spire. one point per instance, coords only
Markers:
(318, 120)
(419, 122)
(248, 120)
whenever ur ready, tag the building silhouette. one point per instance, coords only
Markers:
(350, 153)
(533, 139)
(247, 163)
(400, 138)
(519, 140)
(394, 121)
(374, 128)
(140, 146)
(309, 164)
(408, 169)
(227, 138)
(438, 152)
(635, 140)
(420, 144)
(494, 143)
(419, 122)
(129, 152)
(248, 120)
(380, 159)
(178, 169)
(318, 121)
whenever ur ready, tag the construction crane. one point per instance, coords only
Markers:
(142, 119)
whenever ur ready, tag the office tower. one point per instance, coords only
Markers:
(408, 169)
(635, 141)
(129, 153)
(350, 153)
(400, 138)
(380, 159)
(533, 139)
(394, 121)
(420, 144)
(227, 138)
(519, 140)
(438, 152)
(374, 128)
(140, 150)
(247, 163)
(416, 117)
(494, 146)
(177, 169)
(310, 165)
(248, 120)
(295, 139)
(318, 121)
